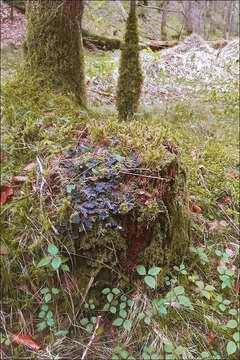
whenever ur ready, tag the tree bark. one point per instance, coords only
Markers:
(53, 45)
(228, 23)
(164, 20)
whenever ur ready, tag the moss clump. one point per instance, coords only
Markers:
(130, 75)
(53, 46)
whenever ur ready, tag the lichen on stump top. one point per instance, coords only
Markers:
(120, 213)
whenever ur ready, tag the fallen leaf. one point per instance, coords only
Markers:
(197, 209)
(29, 166)
(4, 251)
(20, 178)
(230, 252)
(26, 340)
(5, 191)
(49, 113)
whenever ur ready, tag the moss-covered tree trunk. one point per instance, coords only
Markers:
(130, 75)
(53, 46)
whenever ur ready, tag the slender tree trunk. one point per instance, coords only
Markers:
(53, 45)
(228, 23)
(164, 20)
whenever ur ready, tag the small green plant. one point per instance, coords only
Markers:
(88, 324)
(181, 269)
(120, 305)
(120, 352)
(205, 291)
(53, 258)
(200, 252)
(4, 340)
(225, 276)
(149, 278)
(45, 314)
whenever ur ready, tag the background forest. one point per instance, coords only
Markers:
(119, 179)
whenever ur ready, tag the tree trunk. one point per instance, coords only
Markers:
(53, 45)
(130, 75)
(164, 20)
(228, 23)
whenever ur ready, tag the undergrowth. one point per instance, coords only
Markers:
(194, 315)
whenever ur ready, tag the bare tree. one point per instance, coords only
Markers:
(164, 20)
(229, 17)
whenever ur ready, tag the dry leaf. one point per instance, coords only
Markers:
(5, 191)
(20, 178)
(29, 166)
(25, 340)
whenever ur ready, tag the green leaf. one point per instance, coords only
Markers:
(56, 262)
(141, 316)
(52, 249)
(106, 291)
(65, 268)
(92, 306)
(218, 253)
(124, 354)
(184, 301)
(147, 320)
(55, 291)
(84, 321)
(179, 350)
(109, 297)
(205, 355)
(232, 324)
(209, 288)
(154, 271)
(95, 171)
(70, 188)
(115, 291)
(86, 306)
(150, 281)
(222, 307)
(129, 302)
(44, 291)
(219, 298)
(113, 310)
(179, 290)
(127, 325)
(123, 298)
(50, 322)
(61, 332)
(232, 311)
(44, 307)
(106, 307)
(220, 270)
(42, 325)
(168, 348)
(229, 272)
(206, 294)
(141, 270)
(123, 313)
(226, 302)
(89, 327)
(117, 322)
(200, 284)
(236, 336)
(123, 305)
(231, 347)
(48, 297)
(115, 302)
(42, 314)
(49, 314)
(93, 319)
(44, 261)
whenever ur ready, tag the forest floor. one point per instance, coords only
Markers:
(192, 92)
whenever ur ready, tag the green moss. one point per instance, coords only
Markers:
(53, 47)
(130, 75)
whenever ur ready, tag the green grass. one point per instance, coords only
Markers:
(39, 123)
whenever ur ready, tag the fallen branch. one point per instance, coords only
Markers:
(92, 338)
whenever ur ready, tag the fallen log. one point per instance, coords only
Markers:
(99, 42)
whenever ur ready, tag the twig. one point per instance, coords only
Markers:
(83, 299)
(147, 176)
(92, 338)
(156, 8)
(203, 182)
(229, 219)
(237, 293)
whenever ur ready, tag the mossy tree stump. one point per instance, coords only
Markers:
(124, 218)
(53, 46)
